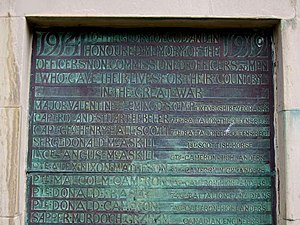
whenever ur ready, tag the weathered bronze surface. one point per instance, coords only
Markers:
(151, 127)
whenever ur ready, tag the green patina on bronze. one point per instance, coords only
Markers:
(151, 127)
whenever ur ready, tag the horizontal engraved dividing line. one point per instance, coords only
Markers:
(180, 150)
(169, 167)
(153, 212)
(202, 115)
(136, 211)
(155, 200)
(133, 123)
(126, 100)
(151, 88)
(170, 129)
(158, 200)
(169, 124)
(163, 167)
(259, 164)
(81, 85)
(161, 204)
(164, 188)
(153, 136)
(158, 148)
(155, 188)
(93, 177)
(154, 85)
(168, 188)
(178, 137)
(160, 188)
(129, 175)
(166, 174)
(205, 210)
(269, 174)
(155, 111)
(52, 70)
(92, 96)
(189, 72)
(236, 58)
(151, 76)
(238, 162)
(142, 111)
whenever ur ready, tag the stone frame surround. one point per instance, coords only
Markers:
(17, 18)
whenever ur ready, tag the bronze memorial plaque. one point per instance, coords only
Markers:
(151, 127)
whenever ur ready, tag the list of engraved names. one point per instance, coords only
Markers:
(151, 127)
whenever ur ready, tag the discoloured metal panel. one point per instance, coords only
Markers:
(151, 127)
